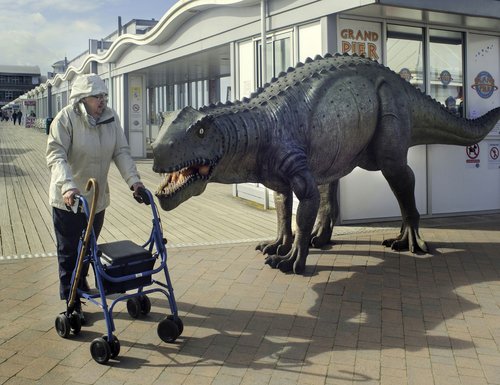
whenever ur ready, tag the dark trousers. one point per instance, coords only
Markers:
(69, 228)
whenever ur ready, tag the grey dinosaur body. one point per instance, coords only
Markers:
(303, 132)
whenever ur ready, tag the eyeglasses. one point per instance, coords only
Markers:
(100, 97)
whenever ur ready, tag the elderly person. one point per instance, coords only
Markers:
(84, 138)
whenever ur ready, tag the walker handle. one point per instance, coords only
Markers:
(142, 196)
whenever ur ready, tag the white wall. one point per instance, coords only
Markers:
(310, 42)
(367, 195)
(461, 187)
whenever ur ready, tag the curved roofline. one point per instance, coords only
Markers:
(181, 11)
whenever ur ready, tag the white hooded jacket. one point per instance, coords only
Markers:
(77, 151)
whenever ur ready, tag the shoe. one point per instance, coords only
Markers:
(78, 310)
(84, 285)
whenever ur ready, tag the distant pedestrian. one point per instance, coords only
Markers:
(14, 117)
(19, 116)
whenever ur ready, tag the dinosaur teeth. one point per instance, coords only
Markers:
(192, 171)
(173, 182)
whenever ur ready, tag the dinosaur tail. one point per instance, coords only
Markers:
(436, 125)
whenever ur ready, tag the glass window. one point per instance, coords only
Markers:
(200, 93)
(405, 53)
(225, 89)
(279, 56)
(446, 69)
(181, 96)
(246, 73)
(193, 95)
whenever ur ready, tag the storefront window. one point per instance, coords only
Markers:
(405, 53)
(279, 55)
(246, 73)
(446, 69)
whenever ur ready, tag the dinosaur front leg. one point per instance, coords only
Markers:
(402, 183)
(307, 192)
(327, 215)
(283, 242)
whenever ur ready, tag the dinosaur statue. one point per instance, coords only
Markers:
(303, 132)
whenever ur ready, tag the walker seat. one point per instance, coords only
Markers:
(123, 258)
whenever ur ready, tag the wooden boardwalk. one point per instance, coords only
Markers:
(26, 220)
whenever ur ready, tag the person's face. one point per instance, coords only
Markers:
(96, 104)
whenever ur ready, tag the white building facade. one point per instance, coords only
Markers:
(203, 51)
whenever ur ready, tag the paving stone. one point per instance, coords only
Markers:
(360, 314)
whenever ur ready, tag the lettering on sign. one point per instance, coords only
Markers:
(360, 42)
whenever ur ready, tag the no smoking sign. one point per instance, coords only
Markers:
(494, 153)
(494, 156)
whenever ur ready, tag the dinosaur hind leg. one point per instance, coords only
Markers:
(327, 215)
(390, 149)
(402, 183)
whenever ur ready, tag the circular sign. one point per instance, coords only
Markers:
(473, 151)
(445, 77)
(484, 84)
(494, 153)
(136, 107)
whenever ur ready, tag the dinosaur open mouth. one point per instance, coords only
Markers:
(175, 181)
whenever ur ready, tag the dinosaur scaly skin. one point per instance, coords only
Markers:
(303, 132)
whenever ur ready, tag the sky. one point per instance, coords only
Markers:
(42, 32)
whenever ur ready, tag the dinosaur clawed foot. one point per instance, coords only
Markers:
(409, 239)
(287, 264)
(273, 261)
(278, 247)
(321, 236)
(320, 242)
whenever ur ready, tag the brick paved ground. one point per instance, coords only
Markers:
(360, 314)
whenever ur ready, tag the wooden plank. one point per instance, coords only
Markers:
(26, 217)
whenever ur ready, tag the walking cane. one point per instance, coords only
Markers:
(83, 250)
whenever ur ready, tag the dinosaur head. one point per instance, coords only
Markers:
(186, 151)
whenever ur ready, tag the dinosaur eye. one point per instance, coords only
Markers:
(201, 132)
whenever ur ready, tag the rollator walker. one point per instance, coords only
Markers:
(124, 269)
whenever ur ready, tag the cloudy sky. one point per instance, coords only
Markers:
(42, 32)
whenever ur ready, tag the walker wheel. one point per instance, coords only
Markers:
(114, 346)
(62, 325)
(145, 304)
(134, 307)
(138, 305)
(75, 322)
(177, 321)
(168, 330)
(100, 350)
